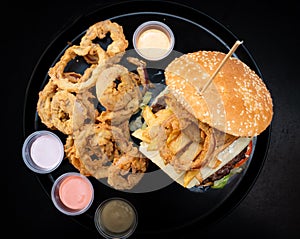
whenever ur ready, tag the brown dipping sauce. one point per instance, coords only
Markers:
(117, 217)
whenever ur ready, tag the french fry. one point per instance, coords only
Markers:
(179, 143)
(142, 134)
(189, 175)
(148, 115)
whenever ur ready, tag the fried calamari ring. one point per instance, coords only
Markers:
(72, 81)
(117, 90)
(44, 104)
(62, 106)
(100, 30)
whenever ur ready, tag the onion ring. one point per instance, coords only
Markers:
(66, 81)
(72, 155)
(44, 104)
(100, 30)
(118, 96)
(84, 110)
(62, 106)
(122, 179)
(96, 148)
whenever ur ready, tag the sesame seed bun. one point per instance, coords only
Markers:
(237, 101)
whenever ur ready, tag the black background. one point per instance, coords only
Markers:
(269, 31)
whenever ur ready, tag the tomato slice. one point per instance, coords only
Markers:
(247, 155)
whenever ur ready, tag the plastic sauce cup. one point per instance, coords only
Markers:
(116, 218)
(153, 40)
(42, 151)
(72, 193)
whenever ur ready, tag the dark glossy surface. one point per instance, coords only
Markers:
(254, 201)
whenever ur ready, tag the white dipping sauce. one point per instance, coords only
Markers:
(46, 151)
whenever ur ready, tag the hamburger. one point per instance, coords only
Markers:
(201, 138)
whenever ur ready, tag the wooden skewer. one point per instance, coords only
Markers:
(232, 50)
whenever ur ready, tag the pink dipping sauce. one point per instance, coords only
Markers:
(46, 151)
(75, 192)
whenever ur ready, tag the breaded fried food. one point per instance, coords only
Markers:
(44, 104)
(97, 140)
(62, 106)
(101, 30)
(117, 90)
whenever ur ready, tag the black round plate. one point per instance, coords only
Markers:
(171, 209)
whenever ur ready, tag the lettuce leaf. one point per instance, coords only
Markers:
(223, 181)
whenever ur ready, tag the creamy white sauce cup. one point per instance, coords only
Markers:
(42, 151)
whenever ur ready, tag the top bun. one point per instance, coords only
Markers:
(237, 101)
